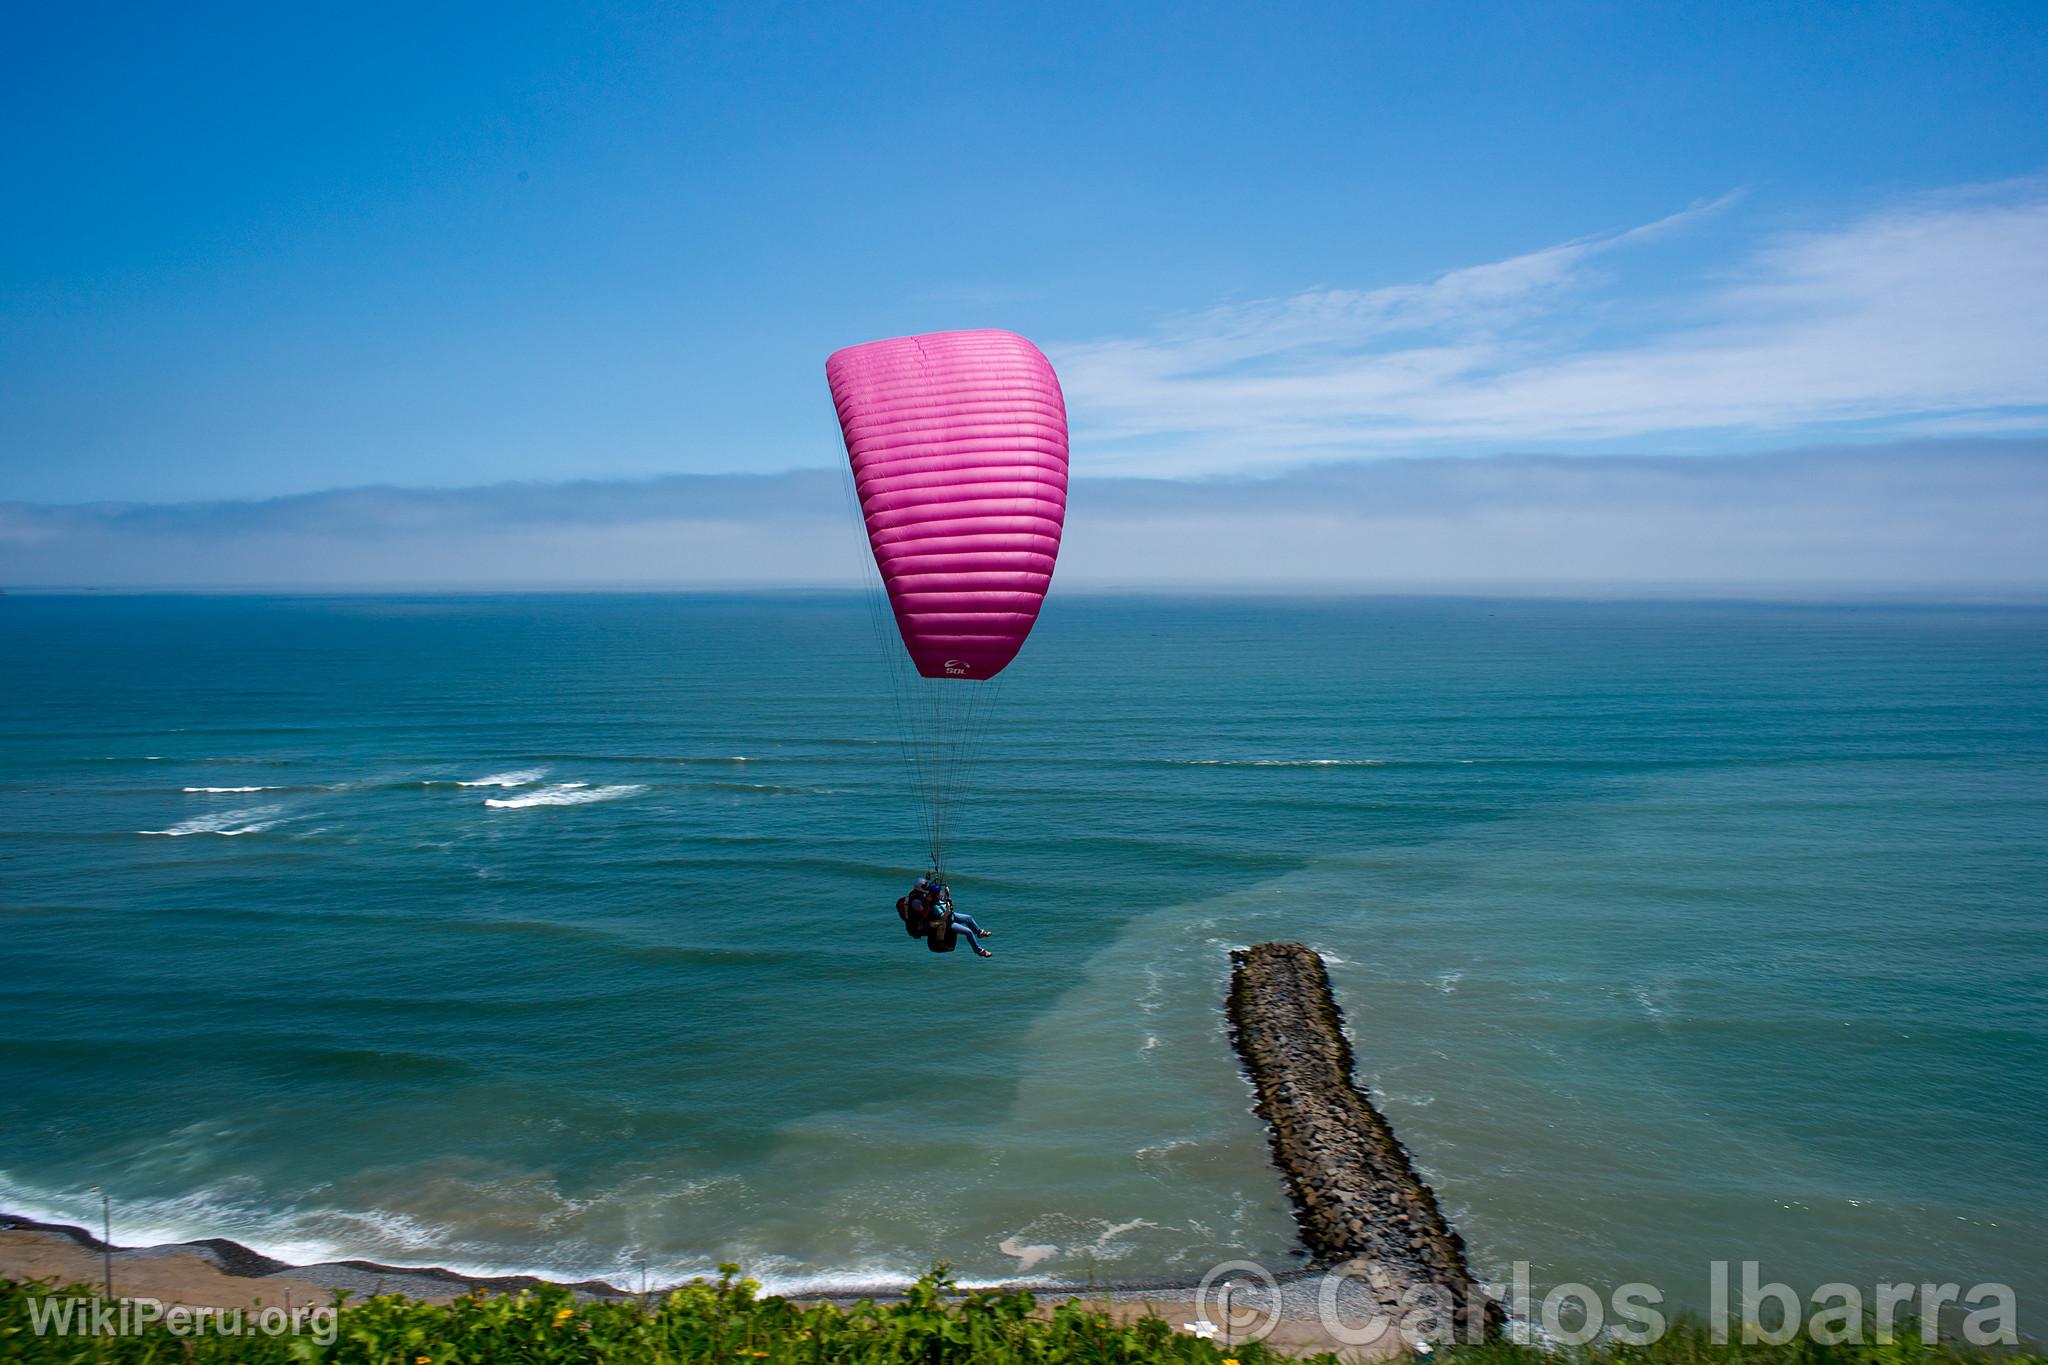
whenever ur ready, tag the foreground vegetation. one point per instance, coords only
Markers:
(727, 1321)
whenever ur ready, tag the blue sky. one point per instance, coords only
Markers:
(256, 251)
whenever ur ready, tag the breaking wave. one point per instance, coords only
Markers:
(563, 794)
(226, 823)
(518, 778)
(1278, 762)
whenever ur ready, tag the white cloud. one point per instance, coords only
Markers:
(1927, 315)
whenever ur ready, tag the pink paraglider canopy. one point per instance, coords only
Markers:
(959, 448)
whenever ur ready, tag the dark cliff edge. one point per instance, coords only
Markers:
(1357, 1198)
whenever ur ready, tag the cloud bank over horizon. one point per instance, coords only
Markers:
(1949, 514)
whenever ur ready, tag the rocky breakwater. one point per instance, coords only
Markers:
(1357, 1197)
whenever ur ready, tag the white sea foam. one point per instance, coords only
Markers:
(797, 1283)
(1153, 998)
(228, 823)
(303, 1236)
(519, 778)
(1166, 1148)
(309, 1234)
(1028, 1254)
(563, 794)
(218, 790)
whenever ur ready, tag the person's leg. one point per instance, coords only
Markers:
(963, 926)
(967, 922)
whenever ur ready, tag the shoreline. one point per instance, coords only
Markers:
(218, 1272)
(234, 1260)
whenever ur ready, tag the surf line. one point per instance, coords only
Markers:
(1358, 1201)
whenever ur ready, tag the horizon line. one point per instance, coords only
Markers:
(1781, 592)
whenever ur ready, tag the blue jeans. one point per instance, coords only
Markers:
(966, 925)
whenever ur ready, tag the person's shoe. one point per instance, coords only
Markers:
(980, 951)
(988, 933)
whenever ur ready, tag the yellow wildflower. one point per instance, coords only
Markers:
(422, 1360)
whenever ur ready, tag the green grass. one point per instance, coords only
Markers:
(728, 1321)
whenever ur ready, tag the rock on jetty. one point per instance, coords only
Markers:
(1356, 1195)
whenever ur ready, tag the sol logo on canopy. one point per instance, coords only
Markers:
(956, 668)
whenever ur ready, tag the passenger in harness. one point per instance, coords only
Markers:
(945, 917)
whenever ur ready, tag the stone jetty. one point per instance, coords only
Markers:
(1357, 1197)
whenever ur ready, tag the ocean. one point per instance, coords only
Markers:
(556, 932)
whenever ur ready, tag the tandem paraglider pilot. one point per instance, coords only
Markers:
(928, 913)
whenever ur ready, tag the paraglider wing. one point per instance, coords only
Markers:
(958, 442)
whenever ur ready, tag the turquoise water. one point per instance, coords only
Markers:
(1667, 931)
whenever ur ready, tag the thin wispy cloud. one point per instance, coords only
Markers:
(1929, 315)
